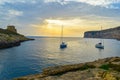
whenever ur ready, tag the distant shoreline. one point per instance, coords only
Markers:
(50, 37)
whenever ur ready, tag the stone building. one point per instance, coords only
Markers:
(11, 28)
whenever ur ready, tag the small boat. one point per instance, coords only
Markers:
(100, 45)
(63, 44)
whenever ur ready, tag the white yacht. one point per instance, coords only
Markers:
(100, 45)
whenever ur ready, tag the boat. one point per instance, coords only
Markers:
(63, 44)
(100, 45)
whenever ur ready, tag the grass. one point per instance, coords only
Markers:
(115, 67)
(87, 67)
(7, 32)
(105, 66)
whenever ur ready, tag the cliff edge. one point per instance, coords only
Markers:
(112, 33)
(9, 37)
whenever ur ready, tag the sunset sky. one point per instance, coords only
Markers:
(45, 17)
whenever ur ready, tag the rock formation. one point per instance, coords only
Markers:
(113, 33)
(9, 37)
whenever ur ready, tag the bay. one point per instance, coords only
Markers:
(32, 56)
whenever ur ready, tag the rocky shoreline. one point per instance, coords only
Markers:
(102, 69)
(10, 38)
(8, 45)
(4, 45)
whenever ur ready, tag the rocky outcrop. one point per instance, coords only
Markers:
(102, 69)
(9, 37)
(113, 33)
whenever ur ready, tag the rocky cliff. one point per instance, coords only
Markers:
(102, 69)
(113, 33)
(9, 37)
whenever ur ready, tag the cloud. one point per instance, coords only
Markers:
(65, 22)
(102, 3)
(97, 2)
(12, 14)
(80, 20)
(7, 13)
(15, 13)
(2, 2)
(62, 2)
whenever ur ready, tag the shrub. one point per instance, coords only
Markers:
(105, 66)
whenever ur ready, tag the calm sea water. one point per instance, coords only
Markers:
(32, 56)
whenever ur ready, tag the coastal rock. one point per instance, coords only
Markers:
(113, 33)
(10, 38)
(102, 69)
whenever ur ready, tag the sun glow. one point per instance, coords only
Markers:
(72, 27)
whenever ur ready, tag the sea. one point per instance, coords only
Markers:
(31, 57)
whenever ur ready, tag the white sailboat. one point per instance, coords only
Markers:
(63, 44)
(100, 45)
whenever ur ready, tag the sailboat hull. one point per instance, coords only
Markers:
(63, 46)
(99, 46)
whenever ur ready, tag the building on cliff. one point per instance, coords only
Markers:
(11, 28)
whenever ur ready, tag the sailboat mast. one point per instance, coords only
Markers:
(101, 35)
(62, 33)
(101, 32)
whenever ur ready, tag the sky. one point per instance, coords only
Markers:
(45, 17)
